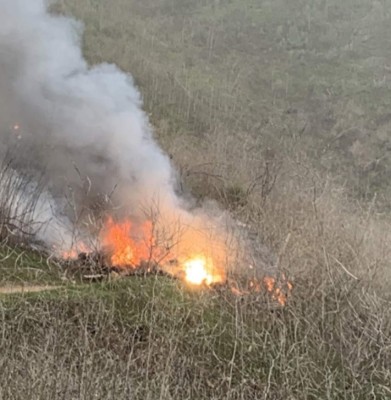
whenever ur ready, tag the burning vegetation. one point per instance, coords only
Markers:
(126, 249)
(100, 156)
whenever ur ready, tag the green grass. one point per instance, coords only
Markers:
(152, 338)
(232, 87)
(22, 265)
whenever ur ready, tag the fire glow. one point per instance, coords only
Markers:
(199, 271)
(127, 247)
(278, 289)
(117, 147)
(128, 250)
(125, 251)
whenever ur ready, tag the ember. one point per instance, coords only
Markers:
(278, 289)
(75, 251)
(130, 249)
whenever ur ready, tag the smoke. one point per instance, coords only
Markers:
(79, 134)
(82, 127)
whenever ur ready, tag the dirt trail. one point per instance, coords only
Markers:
(10, 289)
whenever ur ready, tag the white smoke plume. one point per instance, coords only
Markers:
(80, 133)
(84, 126)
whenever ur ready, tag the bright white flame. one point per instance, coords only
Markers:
(196, 272)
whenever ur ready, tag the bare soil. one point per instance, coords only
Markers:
(11, 289)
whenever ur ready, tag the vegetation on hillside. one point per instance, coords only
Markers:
(302, 76)
(151, 339)
(280, 112)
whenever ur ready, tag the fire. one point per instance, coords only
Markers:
(70, 254)
(120, 241)
(269, 283)
(124, 249)
(129, 245)
(117, 239)
(279, 290)
(74, 252)
(199, 270)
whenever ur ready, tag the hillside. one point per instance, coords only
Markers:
(152, 338)
(279, 112)
(303, 77)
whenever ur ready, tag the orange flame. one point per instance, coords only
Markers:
(269, 283)
(279, 291)
(124, 249)
(74, 252)
(276, 290)
(128, 245)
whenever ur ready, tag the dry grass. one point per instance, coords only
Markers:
(151, 338)
(305, 75)
(19, 196)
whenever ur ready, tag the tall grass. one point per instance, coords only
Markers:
(249, 149)
(150, 339)
(20, 195)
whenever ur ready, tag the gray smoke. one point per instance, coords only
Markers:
(80, 127)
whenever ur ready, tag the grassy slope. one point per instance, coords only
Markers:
(149, 338)
(20, 266)
(223, 83)
(303, 75)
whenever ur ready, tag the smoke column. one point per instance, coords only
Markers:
(83, 126)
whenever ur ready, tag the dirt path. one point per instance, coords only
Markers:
(10, 289)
